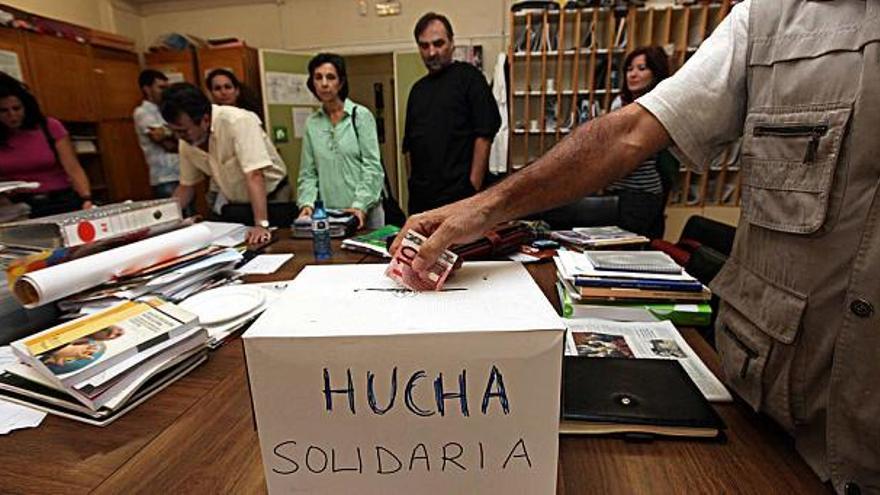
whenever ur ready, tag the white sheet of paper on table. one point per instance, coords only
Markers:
(265, 264)
(14, 416)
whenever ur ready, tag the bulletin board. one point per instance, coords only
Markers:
(285, 71)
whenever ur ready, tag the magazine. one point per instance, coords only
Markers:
(641, 340)
(75, 351)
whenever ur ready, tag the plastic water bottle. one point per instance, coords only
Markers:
(321, 231)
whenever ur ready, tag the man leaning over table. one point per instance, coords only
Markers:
(799, 82)
(227, 145)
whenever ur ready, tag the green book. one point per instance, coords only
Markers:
(374, 242)
(689, 315)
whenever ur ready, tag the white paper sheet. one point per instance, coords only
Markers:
(14, 416)
(265, 264)
(53, 283)
(643, 340)
(299, 121)
(226, 234)
(10, 64)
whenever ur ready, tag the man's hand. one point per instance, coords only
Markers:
(305, 212)
(258, 235)
(361, 216)
(456, 223)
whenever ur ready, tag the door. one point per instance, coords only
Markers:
(408, 68)
(63, 78)
(13, 56)
(116, 75)
(371, 83)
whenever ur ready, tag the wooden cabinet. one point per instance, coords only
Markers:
(123, 161)
(11, 40)
(241, 60)
(116, 75)
(63, 77)
(178, 66)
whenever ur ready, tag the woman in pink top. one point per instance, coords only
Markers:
(35, 148)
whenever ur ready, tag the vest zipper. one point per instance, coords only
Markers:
(814, 132)
(749, 352)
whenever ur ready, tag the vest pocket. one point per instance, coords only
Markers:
(789, 157)
(757, 326)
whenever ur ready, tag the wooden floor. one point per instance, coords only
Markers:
(198, 436)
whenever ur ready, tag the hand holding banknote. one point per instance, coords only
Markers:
(400, 269)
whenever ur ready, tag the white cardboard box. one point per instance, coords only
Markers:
(492, 329)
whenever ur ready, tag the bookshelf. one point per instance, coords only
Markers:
(566, 69)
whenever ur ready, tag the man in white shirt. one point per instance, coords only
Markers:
(156, 141)
(797, 82)
(227, 145)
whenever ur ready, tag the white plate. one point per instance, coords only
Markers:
(224, 303)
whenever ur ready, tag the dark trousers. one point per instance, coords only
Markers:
(642, 213)
(51, 203)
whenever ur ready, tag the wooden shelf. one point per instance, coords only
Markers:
(582, 51)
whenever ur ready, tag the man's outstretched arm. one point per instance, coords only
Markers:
(593, 156)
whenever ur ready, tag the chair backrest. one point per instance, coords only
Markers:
(718, 236)
(590, 211)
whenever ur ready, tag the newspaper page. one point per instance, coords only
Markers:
(641, 340)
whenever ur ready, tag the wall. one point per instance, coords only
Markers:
(302, 25)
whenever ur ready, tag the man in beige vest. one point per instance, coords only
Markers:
(798, 81)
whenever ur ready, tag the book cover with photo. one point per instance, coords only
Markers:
(75, 351)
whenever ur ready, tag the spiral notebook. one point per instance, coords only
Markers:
(634, 261)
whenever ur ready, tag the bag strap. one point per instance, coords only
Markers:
(386, 187)
(44, 126)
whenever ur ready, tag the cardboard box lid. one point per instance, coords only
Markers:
(358, 300)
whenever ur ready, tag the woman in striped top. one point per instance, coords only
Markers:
(642, 193)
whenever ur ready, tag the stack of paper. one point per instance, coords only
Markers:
(598, 237)
(96, 368)
(587, 291)
(173, 280)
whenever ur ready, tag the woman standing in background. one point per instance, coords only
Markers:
(226, 89)
(340, 149)
(642, 194)
(36, 148)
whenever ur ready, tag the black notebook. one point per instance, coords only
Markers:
(651, 397)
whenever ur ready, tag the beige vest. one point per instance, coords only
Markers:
(798, 328)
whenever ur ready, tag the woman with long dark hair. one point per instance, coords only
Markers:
(340, 151)
(226, 89)
(642, 194)
(36, 148)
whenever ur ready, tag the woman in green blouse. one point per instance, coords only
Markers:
(340, 150)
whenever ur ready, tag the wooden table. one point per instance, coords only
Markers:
(197, 436)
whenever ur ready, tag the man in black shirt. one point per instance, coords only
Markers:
(451, 119)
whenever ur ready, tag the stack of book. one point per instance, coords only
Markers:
(375, 242)
(98, 367)
(598, 237)
(630, 286)
(342, 224)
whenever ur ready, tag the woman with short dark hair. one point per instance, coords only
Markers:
(36, 148)
(642, 194)
(340, 151)
(226, 89)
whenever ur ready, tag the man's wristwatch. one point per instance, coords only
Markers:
(263, 223)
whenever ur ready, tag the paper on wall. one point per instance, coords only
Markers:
(642, 340)
(299, 121)
(284, 88)
(58, 281)
(9, 63)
